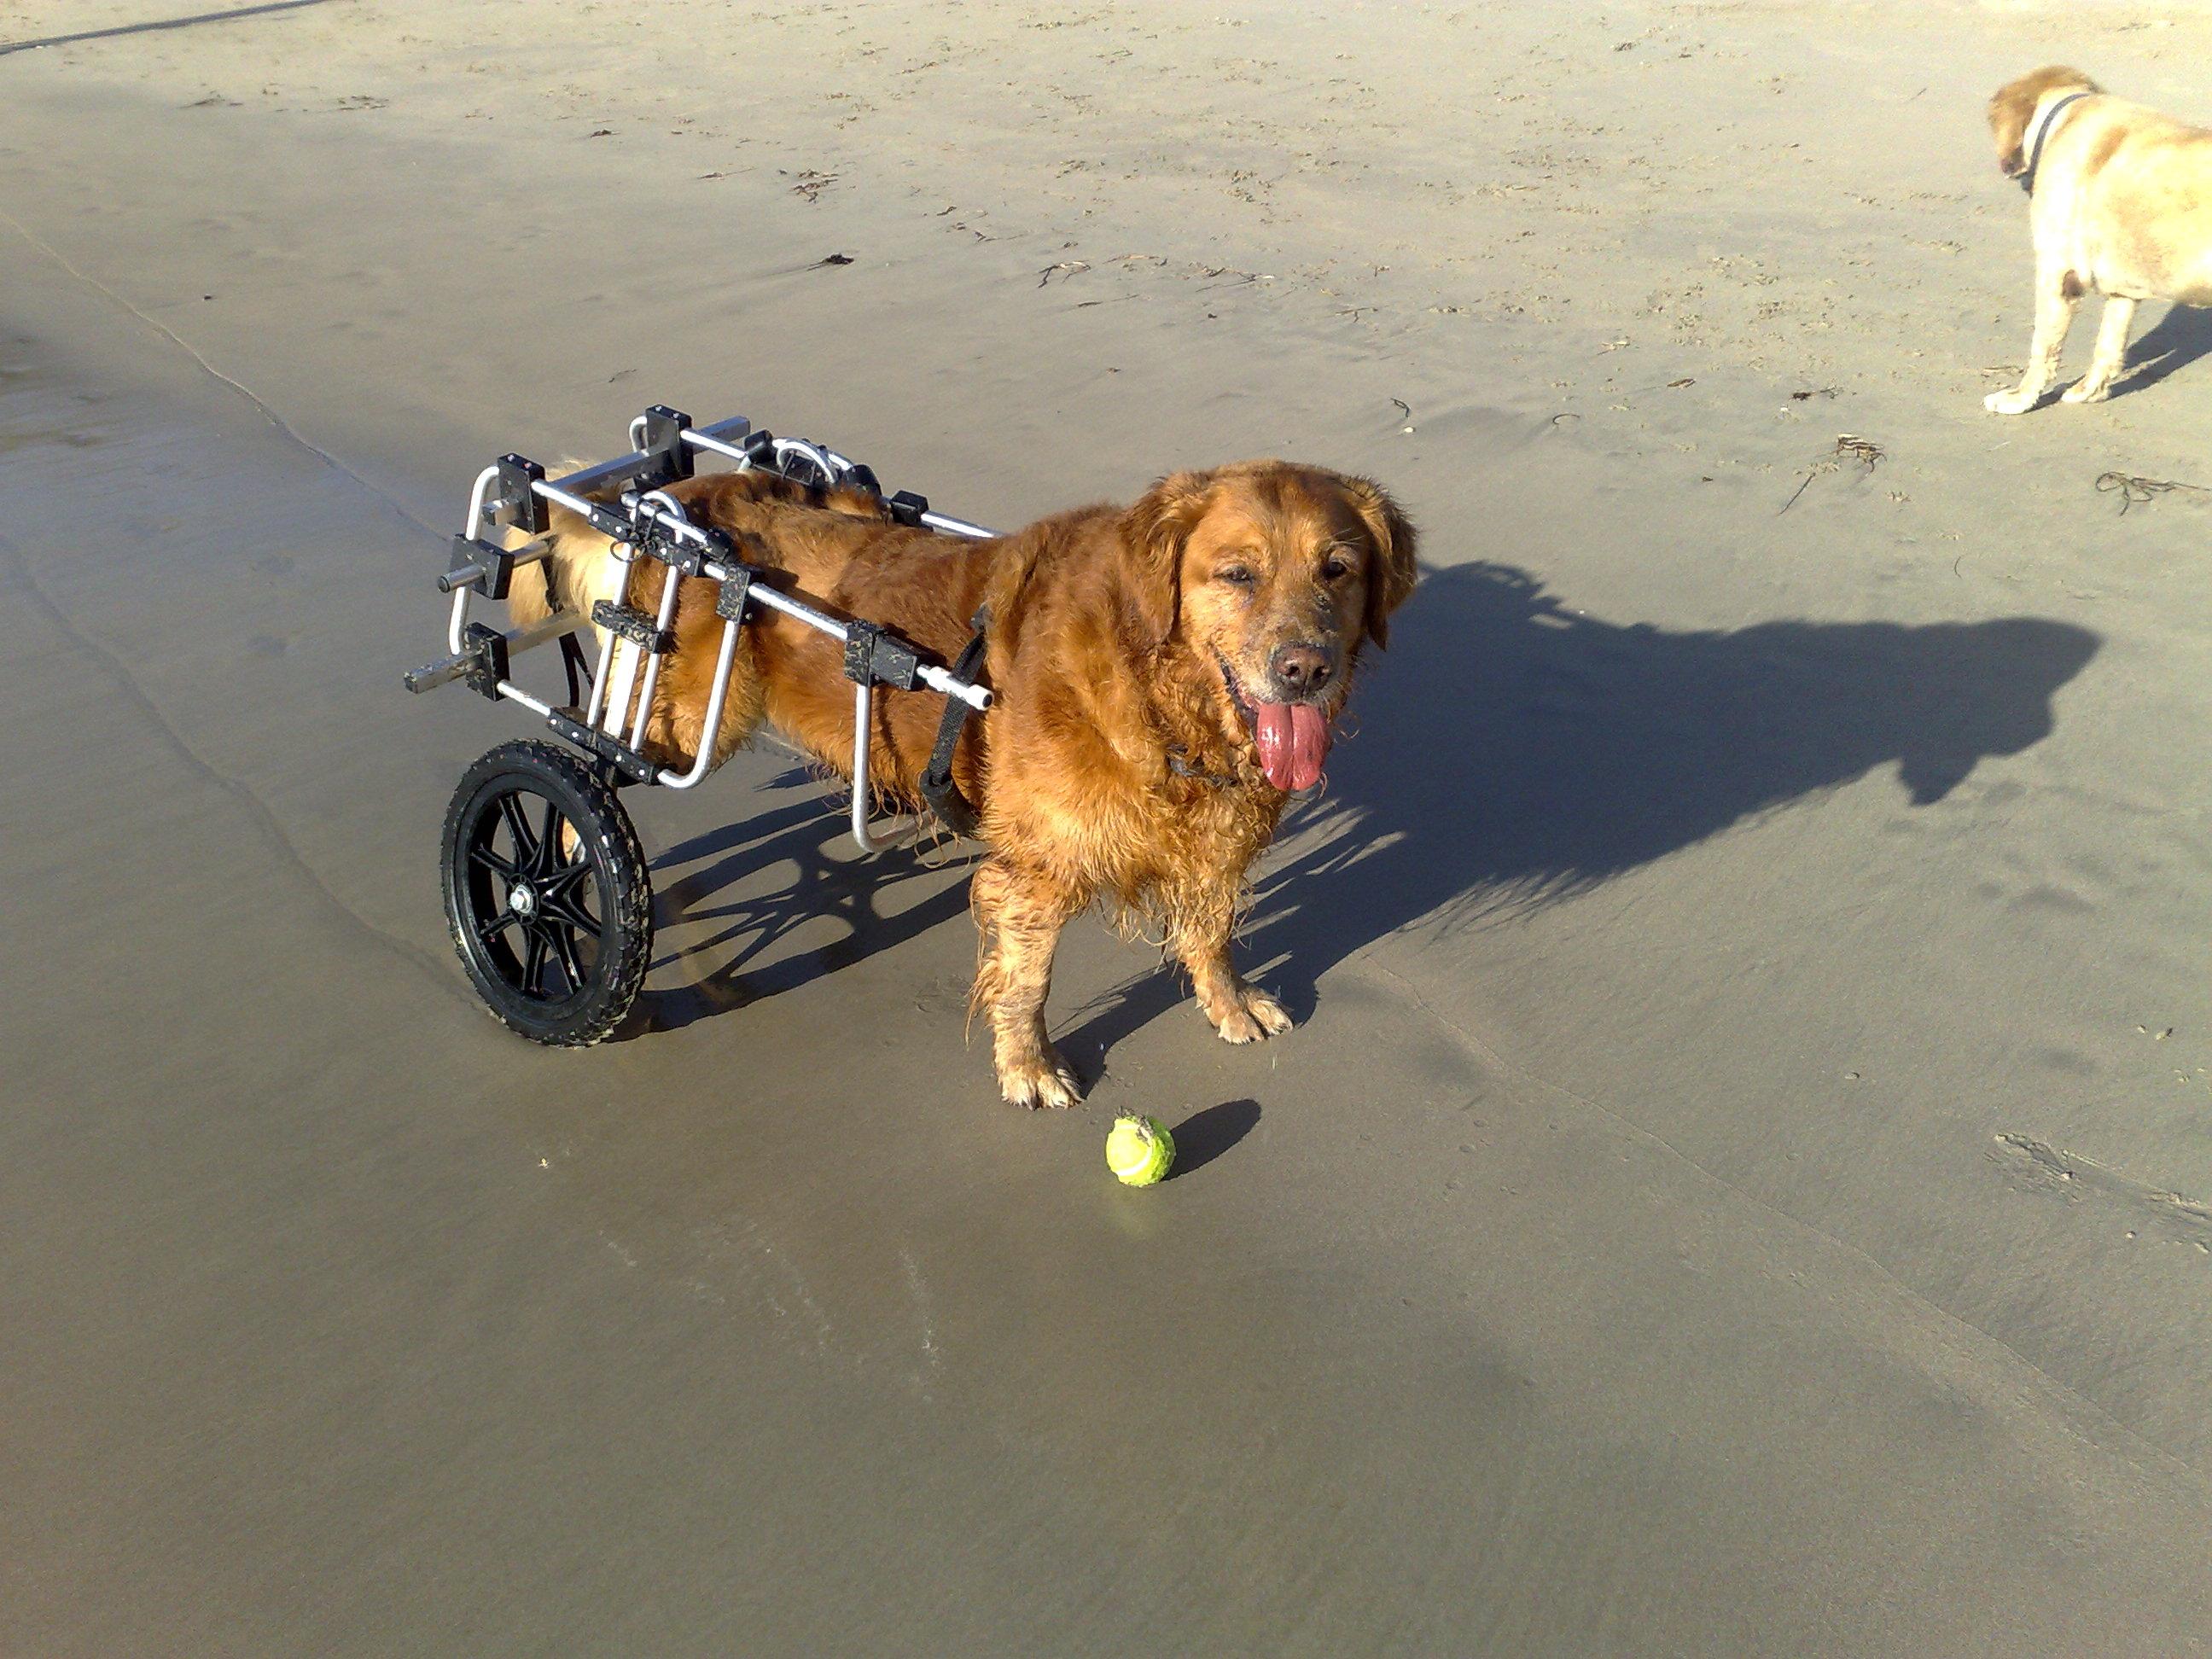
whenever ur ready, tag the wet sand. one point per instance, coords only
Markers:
(1739, 1185)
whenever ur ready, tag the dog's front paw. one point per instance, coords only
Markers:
(2087, 392)
(2008, 402)
(1251, 1015)
(1045, 1080)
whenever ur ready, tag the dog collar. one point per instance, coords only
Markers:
(1180, 763)
(2041, 127)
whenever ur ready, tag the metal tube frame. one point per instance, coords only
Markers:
(655, 510)
(670, 582)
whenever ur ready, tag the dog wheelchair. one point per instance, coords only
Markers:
(546, 889)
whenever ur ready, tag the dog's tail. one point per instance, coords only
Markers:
(578, 567)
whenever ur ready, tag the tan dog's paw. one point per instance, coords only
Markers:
(1253, 1016)
(1044, 1081)
(2008, 402)
(2085, 391)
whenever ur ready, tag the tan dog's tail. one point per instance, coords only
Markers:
(577, 568)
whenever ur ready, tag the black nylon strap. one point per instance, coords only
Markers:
(938, 788)
(579, 671)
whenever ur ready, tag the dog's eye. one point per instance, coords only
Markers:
(1335, 567)
(1236, 576)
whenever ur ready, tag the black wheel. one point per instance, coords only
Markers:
(547, 894)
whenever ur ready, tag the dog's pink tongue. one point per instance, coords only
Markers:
(1293, 743)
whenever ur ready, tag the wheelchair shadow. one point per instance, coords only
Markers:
(2179, 338)
(1509, 752)
(737, 961)
(1506, 752)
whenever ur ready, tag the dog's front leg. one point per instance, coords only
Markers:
(1200, 923)
(2111, 353)
(1019, 914)
(2058, 294)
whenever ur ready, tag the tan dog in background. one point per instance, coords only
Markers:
(2120, 203)
(1166, 675)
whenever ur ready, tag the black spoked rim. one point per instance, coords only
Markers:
(533, 901)
(547, 894)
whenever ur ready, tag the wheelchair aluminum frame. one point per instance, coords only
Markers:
(643, 521)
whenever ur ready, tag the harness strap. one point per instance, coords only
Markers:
(579, 671)
(938, 788)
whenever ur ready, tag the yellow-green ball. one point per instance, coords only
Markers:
(1139, 1150)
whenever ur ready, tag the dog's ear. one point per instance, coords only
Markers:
(2012, 107)
(1152, 535)
(1391, 573)
(2009, 112)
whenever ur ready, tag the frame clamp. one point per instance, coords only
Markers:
(737, 591)
(519, 503)
(668, 458)
(629, 624)
(478, 564)
(605, 745)
(648, 539)
(488, 664)
(876, 656)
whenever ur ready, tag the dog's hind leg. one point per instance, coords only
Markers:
(2057, 294)
(1020, 914)
(678, 724)
(2104, 363)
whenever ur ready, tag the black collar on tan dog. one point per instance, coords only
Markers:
(2048, 120)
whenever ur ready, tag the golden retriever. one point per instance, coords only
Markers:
(2120, 203)
(1165, 676)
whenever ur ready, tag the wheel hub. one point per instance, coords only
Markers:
(521, 900)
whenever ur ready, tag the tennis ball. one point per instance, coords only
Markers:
(1139, 1150)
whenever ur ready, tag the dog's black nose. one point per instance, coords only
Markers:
(1301, 670)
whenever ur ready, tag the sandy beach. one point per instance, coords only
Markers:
(1742, 1183)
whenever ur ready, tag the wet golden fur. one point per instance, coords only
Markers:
(2121, 207)
(1114, 633)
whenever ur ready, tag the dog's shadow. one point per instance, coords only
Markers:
(1508, 752)
(2177, 340)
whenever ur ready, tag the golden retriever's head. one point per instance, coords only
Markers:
(1270, 576)
(2012, 107)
